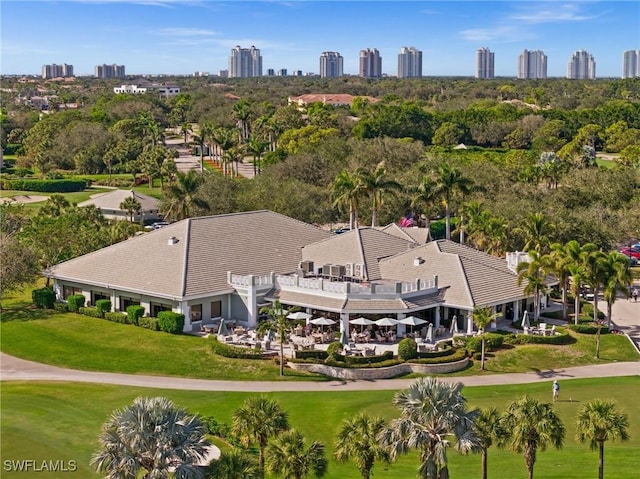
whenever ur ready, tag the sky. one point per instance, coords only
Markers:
(185, 36)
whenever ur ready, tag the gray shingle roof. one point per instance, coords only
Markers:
(362, 245)
(113, 199)
(418, 235)
(256, 242)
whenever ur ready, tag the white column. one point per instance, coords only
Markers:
(344, 323)
(401, 328)
(184, 309)
(437, 325)
(516, 311)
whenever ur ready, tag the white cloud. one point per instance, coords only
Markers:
(505, 33)
(549, 12)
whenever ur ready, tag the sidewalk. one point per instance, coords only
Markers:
(14, 369)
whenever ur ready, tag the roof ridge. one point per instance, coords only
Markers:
(365, 273)
(185, 269)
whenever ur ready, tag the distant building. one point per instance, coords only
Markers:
(282, 72)
(409, 63)
(336, 99)
(144, 86)
(485, 63)
(201, 74)
(109, 71)
(581, 66)
(109, 206)
(223, 73)
(57, 71)
(331, 65)
(245, 62)
(297, 73)
(631, 64)
(271, 72)
(130, 90)
(532, 65)
(370, 63)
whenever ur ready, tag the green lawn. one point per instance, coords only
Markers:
(75, 197)
(60, 421)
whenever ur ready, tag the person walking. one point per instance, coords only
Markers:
(556, 390)
(634, 295)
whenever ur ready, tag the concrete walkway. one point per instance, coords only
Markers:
(14, 369)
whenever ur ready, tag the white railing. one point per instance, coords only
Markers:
(250, 280)
(241, 279)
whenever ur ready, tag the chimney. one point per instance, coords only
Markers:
(417, 261)
(172, 240)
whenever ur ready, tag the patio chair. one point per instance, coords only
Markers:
(369, 351)
(380, 338)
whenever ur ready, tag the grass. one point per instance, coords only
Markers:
(75, 197)
(61, 421)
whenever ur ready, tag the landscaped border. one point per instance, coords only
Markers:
(380, 373)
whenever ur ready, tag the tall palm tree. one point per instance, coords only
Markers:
(347, 190)
(598, 422)
(186, 129)
(289, 457)
(594, 267)
(450, 180)
(200, 140)
(376, 185)
(276, 321)
(226, 140)
(257, 147)
(234, 464)
(536, 230)
(151, 435)
(483, 317)
(617, 279)
(531, 425)
(242, 113)
(571, 258)
(560, 262)
(488, 428)
(181, 196)
(258, 420)
(425, 196)
(534, 272)
(131, 205)
(358, 441)
(432, 415)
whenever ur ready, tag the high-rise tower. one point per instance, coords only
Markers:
(331, 64)
(370, 63)
(532, 65)
(631, 64)
(485, 63)
(581, 66)
(245, 62)
(409, 63)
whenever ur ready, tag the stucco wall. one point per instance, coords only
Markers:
(380, 373)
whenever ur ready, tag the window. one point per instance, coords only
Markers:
(96, 296)
(156, 308)
(126, 302)
(196, 312)
(69, 291)
(216, 309)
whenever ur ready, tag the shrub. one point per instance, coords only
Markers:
(171, 322)
(91, 312)
(561, 337)
(334, 348)
(314, 354)
(75, 302)
(407, 349)
(588, 328)
(45, 186)
(43, 297)
(149, 323)
(441, 352)
(234, 352)
(455, 355)
(103, 305)
(135, 312)
(60, 307)
(116, 317)
(492, 342)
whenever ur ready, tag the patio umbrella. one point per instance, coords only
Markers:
(525, 320)
(387, 322)
(412, 321)
(222, 329)
(429, 337)
(454, 325)
(322, 321)
(299, 315)
(361, 321)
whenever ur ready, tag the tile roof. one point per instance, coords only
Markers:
(257, 242)
(113, 199)
(415, 234)
(363, 245)
(307, 300)
(329, 98)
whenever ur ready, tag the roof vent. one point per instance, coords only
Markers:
(418, 261)
(172, 240)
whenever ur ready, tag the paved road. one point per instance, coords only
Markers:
(14, 369)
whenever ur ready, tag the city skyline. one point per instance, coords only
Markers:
(187, 36)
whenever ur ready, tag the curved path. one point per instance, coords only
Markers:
(14, 369)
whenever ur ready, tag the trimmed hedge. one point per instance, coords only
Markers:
(453, 356)
(407, 349)
(43, 298)
(371, 363)
(492, 342)
(103, 305)
(447, 350)
(116, 317)
(235, 352)
(75, 302)
(61, 307)
(149, 323)
(135, 312)
(91, 312)
(561, 337)
(45, 186)
(171, 322)
(589, 328)
(313, 354)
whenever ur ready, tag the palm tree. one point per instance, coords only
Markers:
(488, 429)
(276, 321)
(185, 129)
(226, 140)
(450, 180)
(433, 413)
(559, 262)
(289, 457)
(483, 317)
(536, 230)
(242, 113)
(151, 435)
(347, 190)
(425, 196)
(131, 205)
(358, 440)
(234, 465)
(594, 267)
(181, 196)
(534, 273)
(257, 148)
(571, 259)
(200, 140)
(617, 279)
(376, 185)
(256, 421)
(599, 421)
(531, 425)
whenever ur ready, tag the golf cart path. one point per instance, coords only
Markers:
(15, 369)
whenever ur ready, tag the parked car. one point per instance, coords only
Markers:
(339, 231)
(159, 224)
(631, 253)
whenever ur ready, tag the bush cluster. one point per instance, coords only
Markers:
(588, 328)
(149, 323)
(60, 307)
(45, 186)
(234, 352)
(75, 302)
(103, 305)
(371, 362)
(455, 355)
(314, 354)
(407, 349)
(171, 322)
(561, 337)
(135, 312)
(116, 317)
(492, 342)
(43, 298)
(91, 312)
